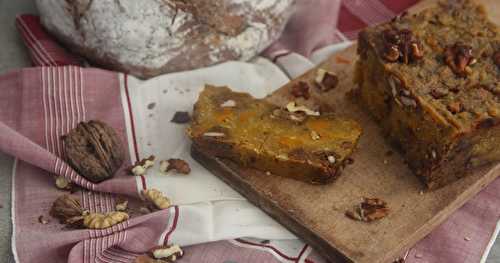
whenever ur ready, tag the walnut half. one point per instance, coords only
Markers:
(401, 45)
(458, 57)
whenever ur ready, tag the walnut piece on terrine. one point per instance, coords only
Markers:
(291, 141)
(432, 82)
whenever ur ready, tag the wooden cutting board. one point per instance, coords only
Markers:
(316, 213)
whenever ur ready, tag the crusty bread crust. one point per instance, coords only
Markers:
(151, 37)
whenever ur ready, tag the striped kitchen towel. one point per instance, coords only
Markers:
(38, 105)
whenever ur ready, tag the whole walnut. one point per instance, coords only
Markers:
(94, 150)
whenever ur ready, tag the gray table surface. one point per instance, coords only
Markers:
(13, 55)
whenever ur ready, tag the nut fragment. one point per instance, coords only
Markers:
(439, 93)
(296, 117)
(181, 117)
(94, 150)
(177, 165)
(228, 103)
(326, 80)
(157, 198)
(455, 107)
(42, 220)
(315, 136)
(458, 57)
(214, 134)
(121, 205)
(292, 107)
(169, 253)
(408, 101)
(140, 167)
(66, 207)
(300, 89)
(63, 183)
(370, 209)
(101, 221)
(401, 45)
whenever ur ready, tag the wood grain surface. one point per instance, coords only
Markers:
(316, 212)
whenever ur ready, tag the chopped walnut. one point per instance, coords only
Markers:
(101, 221)
(293, 107)
(228, 103)
(315, 136)
(296, 117)
(42, 220)
(178, 165)
(63, 183)
(300, 89)
(169, 253)
(370, 209)
(326, 80)
(121, 205)
(181, 117)
(402, 46)
(140, 167)
(156, 197)
(455, 107)
(438, 93)
(458, 57)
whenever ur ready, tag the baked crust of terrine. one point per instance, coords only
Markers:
(432, 81)
(291, 142)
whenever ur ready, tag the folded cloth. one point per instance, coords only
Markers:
(38, 105)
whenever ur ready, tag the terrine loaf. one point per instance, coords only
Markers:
(432, 82)
(150, 37)
(293, 141)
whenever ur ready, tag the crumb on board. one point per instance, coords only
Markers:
(371, 209)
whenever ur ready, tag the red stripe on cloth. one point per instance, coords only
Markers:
(281, 254)
(43, 49)
(301, 253)
(143, 182)
(132, 125)
(174, 225)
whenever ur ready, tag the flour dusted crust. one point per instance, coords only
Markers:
(150, 37)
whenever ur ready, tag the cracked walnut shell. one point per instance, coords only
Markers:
(66, 207)
(94, 150)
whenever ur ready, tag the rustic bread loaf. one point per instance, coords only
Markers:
(150, 37)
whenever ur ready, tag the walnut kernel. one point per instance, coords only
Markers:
(178, 165)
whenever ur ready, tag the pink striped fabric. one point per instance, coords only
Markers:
(44, 51)
(38, 105)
